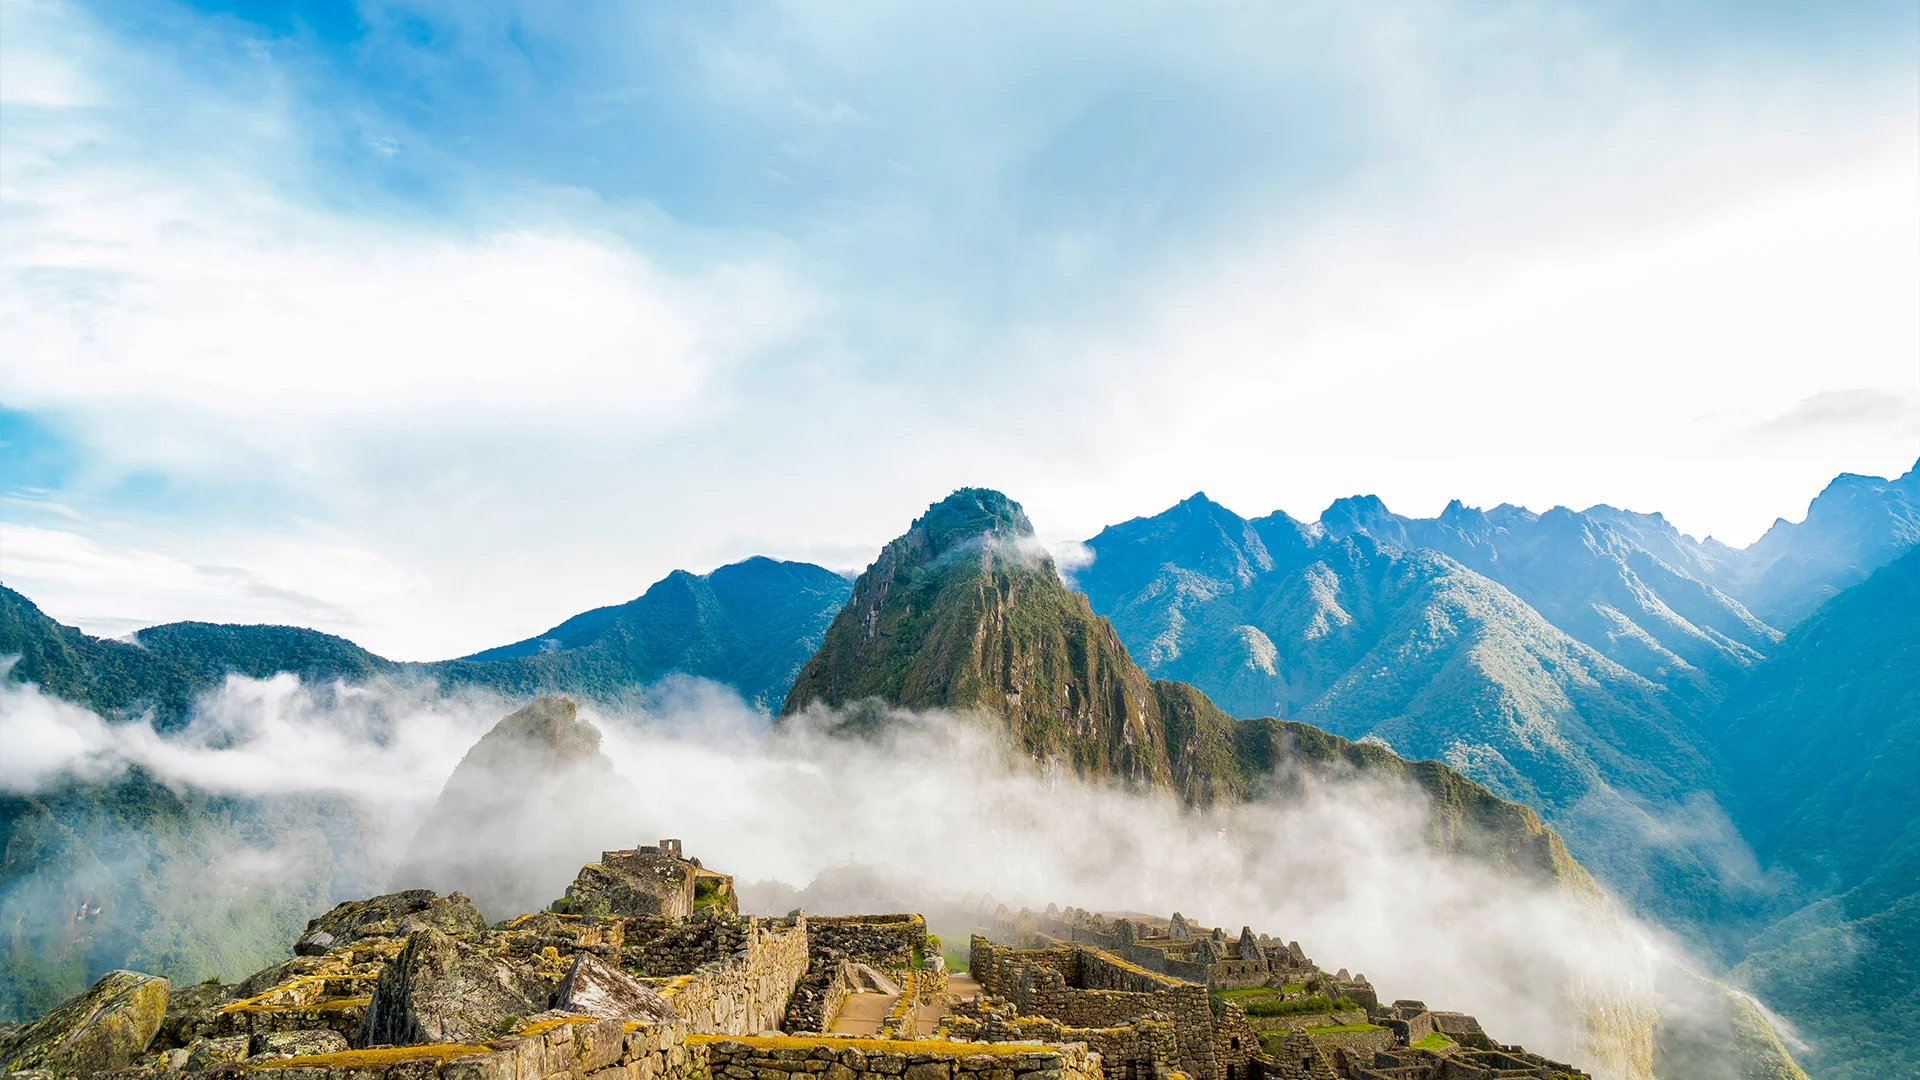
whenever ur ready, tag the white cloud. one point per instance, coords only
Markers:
(200, 283)
(110, 588)
(1500, 255)
(931, 814)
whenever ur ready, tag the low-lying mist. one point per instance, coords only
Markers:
(934, 816)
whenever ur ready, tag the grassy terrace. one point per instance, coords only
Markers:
(1264, 1001)
(1343, 1029)
(1435, 1042)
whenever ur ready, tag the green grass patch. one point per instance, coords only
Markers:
(1315, 1003)
(1342, 1029)
(956, 960)
(708, 892)
(1435, 1042)
(1293, 988)
(1249, 994)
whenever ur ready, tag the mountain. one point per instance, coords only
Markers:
(1331, 624)
(1823, 749)
(507, 829)
(1856, 525)
(1629, 586)
(166, 666)
(966, 612)
(748, 625)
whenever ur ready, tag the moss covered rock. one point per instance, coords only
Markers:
(393, 915)
(107, 1027)
(443, 990)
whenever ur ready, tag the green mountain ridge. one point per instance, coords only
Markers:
(1824, 744)
(749, 625)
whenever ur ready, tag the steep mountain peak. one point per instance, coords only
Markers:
(498, 831)
(1368, 514)
(967, 515)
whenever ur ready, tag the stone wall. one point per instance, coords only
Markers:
(581, 1049)
(877, 1059)
(889, 941)
(712, 935)
(818, 997)
(1140, 1050)
(1086, 987)
(747, 992)
(1298, 1059)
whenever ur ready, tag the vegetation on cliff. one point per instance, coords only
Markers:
(966, 612)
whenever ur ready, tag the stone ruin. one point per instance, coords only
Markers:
(653, 879)
(645, 970)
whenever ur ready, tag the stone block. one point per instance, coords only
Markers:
(417, 1069)
(499, 1065)
(888, 1064)
(598, 1044)
(561, 1056)
(929, 1070)
(838, 1071)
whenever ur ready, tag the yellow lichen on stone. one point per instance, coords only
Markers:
(551, 1023)
(885, 1046)
(391, 1055)
(331, 1005)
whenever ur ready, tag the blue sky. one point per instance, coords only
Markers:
(434, 323)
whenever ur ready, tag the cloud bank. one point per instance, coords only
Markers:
(934, 816)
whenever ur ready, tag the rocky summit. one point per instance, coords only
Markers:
(520, 788)
(412, 986)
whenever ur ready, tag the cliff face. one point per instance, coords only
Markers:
(965, 612)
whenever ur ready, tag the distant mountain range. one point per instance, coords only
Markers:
(1723, 735)
(749, 625)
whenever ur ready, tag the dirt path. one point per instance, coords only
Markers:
(863, 1013)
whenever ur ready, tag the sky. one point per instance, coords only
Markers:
(434, 323)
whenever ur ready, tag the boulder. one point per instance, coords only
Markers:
(594, 987)
(393, 915)
(444, 990)
(107, 1027)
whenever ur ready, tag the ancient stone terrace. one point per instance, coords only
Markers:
(1172, 946)
(1271, 1012)
(640, 974)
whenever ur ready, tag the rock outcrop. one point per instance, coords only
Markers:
(105, 1028)
(518, 816)
(596, 988)
(442, 990)
(393, 915)
(653, 879)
